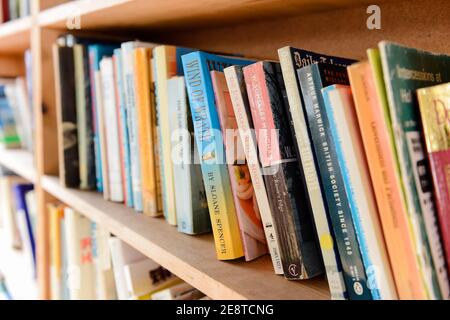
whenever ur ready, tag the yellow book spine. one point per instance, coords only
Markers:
(165, 60)
(142, 58)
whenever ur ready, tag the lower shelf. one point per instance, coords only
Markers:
(192, 258)
(19, 161)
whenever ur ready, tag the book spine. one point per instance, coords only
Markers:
(333, 186)
(238, 93)
(130, 98)
(111, 131)
(191, 202)
(215, 176)
(144, 117)
(386, 183)
(98, 161)
(342, 118)
(123, 129)
(325, 233)
(165, 67)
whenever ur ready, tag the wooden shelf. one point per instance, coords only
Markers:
(192, 258)
(19, 161)
(15, 36)
(158, 14)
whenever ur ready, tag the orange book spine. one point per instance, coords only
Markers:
(142, 58)
(386, 183)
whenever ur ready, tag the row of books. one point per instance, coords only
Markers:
(317, 160)
(14, 9)
(18, 221)
(88, 263)
(16, 116)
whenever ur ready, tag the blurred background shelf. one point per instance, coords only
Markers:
(191, 258)
(15, 36)
(20, 162)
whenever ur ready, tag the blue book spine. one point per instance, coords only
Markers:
(348, 186)
(332, 180)
(197, 67)
(124, 131)
(96, 53)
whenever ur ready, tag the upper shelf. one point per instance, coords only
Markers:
(158, 14)
(15, 36)
(19, 161)
(192, 258)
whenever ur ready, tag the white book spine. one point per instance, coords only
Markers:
(343, 122)
(249, 143)
(111, 124)
(106, 288)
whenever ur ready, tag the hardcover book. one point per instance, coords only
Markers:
(197, 67)
(291, 60)
(66, 113)
(123, 129)
(434, 105)
(300, 252)
(96, 54)
(247, 209)
(374, 125)
(312, 79)
(238, 94)
(111, 135)
(406, 70)
(9, 136)
(145, 117)
(167, 65)
(57, 274)
(347, 140)
(191, 201)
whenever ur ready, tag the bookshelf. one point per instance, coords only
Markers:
(253, 28)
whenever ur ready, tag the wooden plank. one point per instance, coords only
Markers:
(104, 14)
(20, 162)
(192, 258)
(15, 36)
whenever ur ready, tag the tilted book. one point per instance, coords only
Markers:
(66, 113)
(96, 53)
(123, 129)
(406, 70)
(352, 161)
(312, 79)
(167, 64)
(191, 202)
(374, 125)
(292, 59)
(238, 94)
(300, 252)
(111, 133)
(147, 139)
(434, 105)
(197, 67)
(247, 209)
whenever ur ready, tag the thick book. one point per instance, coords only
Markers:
(123, 129)
(238, 95)
(247, 209)
(300, 252)
(352, 161)
(374, 124)
(191, 203)
(128, 78)
(84, 116)
(434, 103)
(80, 263)
(111, 133)
(66, 114)
(96, 54)
(291, 60)
(406, 70)
(167, 64)
(197, 67)
(312, 79)
(145, 116)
